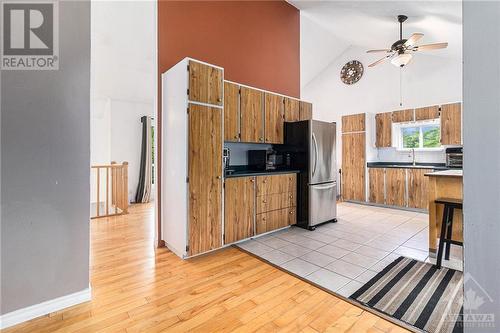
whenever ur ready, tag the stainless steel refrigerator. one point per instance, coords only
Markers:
(312, 145)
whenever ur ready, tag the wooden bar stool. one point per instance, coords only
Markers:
(447, 227)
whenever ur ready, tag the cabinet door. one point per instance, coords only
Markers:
(395, 185)
(267, 203)
(451, 124)
(205, 83)
(353, 123)
(383, 128)
(292, 109)
(418, 192)
(251, 115)
(402, 116)
(275, 219)
(231, 111)
(239, 204)
(428, 112)
(274, 119)
(377, 185)
(306, 110)
(205, 178)
(353, 166)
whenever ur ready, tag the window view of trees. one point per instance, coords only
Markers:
(431, 136)
(425, 136)
(411, 137)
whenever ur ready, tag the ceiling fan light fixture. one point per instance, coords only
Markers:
(402, 59)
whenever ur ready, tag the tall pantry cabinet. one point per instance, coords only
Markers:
(192, 131)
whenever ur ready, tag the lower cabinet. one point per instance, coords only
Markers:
(239, 203)
(275, 219)
(402, 187)
(255, 205)
(418, 192)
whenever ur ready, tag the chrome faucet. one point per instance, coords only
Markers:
(413, 156)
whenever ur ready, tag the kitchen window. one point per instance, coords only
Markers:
(421, 135)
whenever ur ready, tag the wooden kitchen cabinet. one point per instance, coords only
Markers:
(383, 129)
(205, 178)
(353, 123)
(353, 166)
(251, 115)
(395, 186)
(239, 203)
(305, 110)
(376, 180)
(266, 203)
(231, 112)
(274, 118)
(205, 83)
(451, 124)
(418, 192)
(402, 116)
(292, 109)
(428, 112)
(276, 184)
(275, 219)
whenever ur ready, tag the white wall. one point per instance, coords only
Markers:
(428, 80)
(123, 82)
(481, 164)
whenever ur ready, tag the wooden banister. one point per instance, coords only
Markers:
(117, 179)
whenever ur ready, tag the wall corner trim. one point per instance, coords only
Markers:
(44, 308)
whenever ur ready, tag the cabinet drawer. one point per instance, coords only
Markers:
(275, 220)
(276, 184)
(267, 203)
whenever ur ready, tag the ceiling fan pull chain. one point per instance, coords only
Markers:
(400, 86)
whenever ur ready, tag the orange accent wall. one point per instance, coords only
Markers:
(257, 42)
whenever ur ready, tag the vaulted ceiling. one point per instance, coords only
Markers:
(329, 28)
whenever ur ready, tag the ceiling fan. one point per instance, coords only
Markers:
(401, 51)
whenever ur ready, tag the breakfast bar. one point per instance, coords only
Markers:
(444, 184)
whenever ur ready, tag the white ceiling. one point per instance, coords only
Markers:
(338, 25)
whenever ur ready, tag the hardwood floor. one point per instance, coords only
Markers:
(137, 288)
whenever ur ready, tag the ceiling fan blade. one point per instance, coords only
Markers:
(430, 47)
(377, 51)
(380, 61)
(413, 39)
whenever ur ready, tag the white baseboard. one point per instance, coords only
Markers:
(41, 309)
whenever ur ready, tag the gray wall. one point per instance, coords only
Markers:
(482, 157)
(45, 158)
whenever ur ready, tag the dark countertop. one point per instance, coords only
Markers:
(435, 166)
(244, 171)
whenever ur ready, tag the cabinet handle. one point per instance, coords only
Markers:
(264, 201)
(291, 197)
(252, 180)
(291, 212)
(264, 181)
(261, 139)
(263, 219)
(219, 177)
(236, 137)
(219, 99)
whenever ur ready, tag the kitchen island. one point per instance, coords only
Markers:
(444, 184)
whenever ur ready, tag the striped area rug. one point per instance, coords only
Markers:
(417, 293)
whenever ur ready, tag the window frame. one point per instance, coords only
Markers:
(397, 136)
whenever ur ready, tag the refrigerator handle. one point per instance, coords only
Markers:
(315, 144)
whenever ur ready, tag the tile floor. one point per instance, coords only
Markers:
(345, 255)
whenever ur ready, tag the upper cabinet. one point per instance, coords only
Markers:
(292, 109)
(451, 124)
(205, 83)
(428, 112)
(353, 123)
(402, 116)
(305, 110)
(383, 124)
(251, 115)
(231, 111)
(274, 118)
